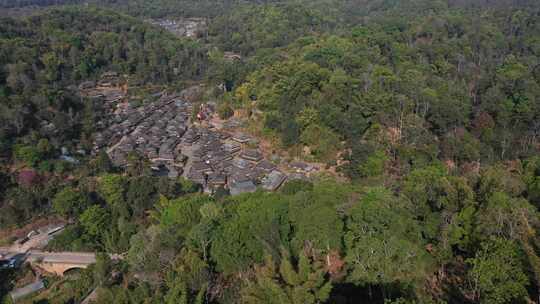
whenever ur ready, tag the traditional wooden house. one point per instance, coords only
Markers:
(242, 187)
(251, 155)
(273, 180)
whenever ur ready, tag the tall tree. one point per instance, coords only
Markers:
(496, 274)
(305, 281)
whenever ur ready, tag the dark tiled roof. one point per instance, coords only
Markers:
(251, 154)
(201, 167)
(266, 165)
(273, 180)
(242, 187)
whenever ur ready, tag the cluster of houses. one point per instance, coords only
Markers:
(152, 130)
(108, 91)
(188, 27)
(222, 160)
(213, 156)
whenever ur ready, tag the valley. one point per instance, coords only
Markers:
(265, 152)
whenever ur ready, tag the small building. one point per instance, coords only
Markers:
(242, 187)
(199, 153)
(105, 83)
(241, 163)
(191, 137)
(225, 165)
(251, 155)
(217, 179)
(109, 74)
(224, 135)
(265, 166)
(273, 180)
(202, 167)
(221, 156)
(231, 147)
(197, 177)
(27, 290)
(165, 152)
(241, 138)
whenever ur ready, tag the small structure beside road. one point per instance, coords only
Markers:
(29, 289)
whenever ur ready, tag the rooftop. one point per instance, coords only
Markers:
(273, 180)
(242, 187)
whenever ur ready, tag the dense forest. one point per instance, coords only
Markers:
(216, 8)
(428, 110)
(43, 56)
(438, 88)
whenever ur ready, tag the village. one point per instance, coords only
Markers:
(180, 138)
(184, 27)
(215, 154)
